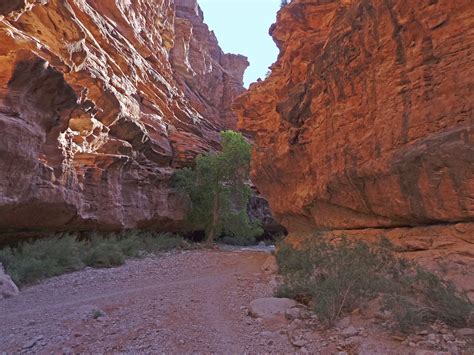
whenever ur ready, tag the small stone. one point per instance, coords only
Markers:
(349, 332)
(412, 344)
(297, 323)
(293, 313)
(398, 338)
(465, 332)
(344, 322)
(298, 342)
(270, 307)
(453, 349)
(328, 350)
(448, 337)
(29, 344)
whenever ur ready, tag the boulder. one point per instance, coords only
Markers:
(270, 307)
(7, 286)
(349, 332)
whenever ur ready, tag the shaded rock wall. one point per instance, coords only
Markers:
(365, 125)
(98, 108)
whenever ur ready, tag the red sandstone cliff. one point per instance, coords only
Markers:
(210, 78)
(365, 126)
(99, 102)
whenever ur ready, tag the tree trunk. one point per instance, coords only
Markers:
(215, 220)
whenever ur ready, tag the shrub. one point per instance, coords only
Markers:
(44, 258)
(130, 245)
(163, 242)
(424, 297)
(338, 278)
(103, 254)
(97, 313)
(136, 243)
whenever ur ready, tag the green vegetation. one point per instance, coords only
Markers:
(218, 190)
(97, 313)
(335, 279)
(48, 257)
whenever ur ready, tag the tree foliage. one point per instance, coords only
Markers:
(218, 190)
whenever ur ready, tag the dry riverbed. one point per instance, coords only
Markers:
(179, 302)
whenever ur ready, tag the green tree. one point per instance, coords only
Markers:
(218, 190)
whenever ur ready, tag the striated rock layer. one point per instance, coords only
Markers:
(365, 125)
(100, 101)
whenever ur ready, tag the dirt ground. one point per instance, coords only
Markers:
(180, 302)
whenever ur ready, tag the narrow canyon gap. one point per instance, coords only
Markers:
(363, 128)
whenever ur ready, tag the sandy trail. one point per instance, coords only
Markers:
(181, 302)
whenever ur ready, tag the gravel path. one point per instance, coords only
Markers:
(181, 302)
(185, 302)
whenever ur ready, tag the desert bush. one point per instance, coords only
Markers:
(422, 297)
(42, 258)
(136, 243)
(130, 244)
(336, 278)
(103, 253)
(48, 257)
(163, 242)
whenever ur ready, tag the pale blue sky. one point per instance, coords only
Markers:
(241, 26)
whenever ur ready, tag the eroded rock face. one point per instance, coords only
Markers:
(96, 111)
(366, 122)
(210, 78)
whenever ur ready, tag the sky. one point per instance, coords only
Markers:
(241, 26)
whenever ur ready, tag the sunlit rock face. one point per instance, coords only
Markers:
(100, 102)
(365, 125)
(210, 78)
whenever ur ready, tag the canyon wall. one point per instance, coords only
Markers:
(365, 125)
(100, 102)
